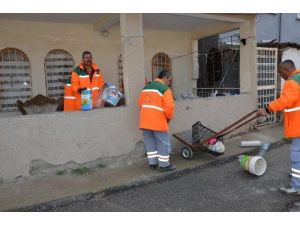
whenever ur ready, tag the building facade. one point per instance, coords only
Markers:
(284, 27)
(48, 46)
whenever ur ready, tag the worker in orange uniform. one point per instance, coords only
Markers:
(69, 97)
(289, 102)
(156, 110)
(87, 76)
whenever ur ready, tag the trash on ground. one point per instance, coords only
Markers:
(205, 139)
(251, 143)
(255, 165)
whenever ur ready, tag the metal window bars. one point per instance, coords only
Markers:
(161, 61)
(58, 67)
(215, 92)
(120, 74)
(266, 80)
(15, 78)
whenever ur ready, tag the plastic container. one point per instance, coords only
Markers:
(250, 143)
(217, 147)
(111, 95)
(264, 148)
(86, 100)
(254, 164)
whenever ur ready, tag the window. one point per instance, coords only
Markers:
(58, 67)
(219, 65)
(160, 61)
(298, 16)
(15, 78)
(120, 74)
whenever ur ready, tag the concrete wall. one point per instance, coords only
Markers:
(61, 137)
(173, 43)
(268, 27)
(215, 112)
(26, 36)
(293, 54)
(85, 136)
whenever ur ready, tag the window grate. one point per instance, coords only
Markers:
(266, 80)
(15, 78)
(161, 61)
(58, 67)
(120, 74)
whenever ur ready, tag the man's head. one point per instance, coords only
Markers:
(165, 76)
(286, 68)
(87, 58)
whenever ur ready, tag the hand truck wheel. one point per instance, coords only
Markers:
(187, 152)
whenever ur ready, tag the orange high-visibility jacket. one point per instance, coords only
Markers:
(289, 101)
(80, 79)
(69, 98)
(156, 106)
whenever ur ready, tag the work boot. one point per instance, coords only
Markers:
(167, 168)
(289, 190)
(153, 167)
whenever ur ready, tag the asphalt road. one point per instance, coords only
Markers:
(219, 188)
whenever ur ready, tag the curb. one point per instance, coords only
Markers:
(140, 182)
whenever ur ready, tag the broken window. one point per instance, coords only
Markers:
(15, 78)
(219, 65)
(58, 67)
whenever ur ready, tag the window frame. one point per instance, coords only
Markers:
(46, 73)
(25, 79)
(168, 65)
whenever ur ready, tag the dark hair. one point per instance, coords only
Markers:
(86, 53)
(163, 74)
(288, 63)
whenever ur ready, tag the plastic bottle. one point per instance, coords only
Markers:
(86, 100)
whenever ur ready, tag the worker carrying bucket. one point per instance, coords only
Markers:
(289, 102)
(87, 84)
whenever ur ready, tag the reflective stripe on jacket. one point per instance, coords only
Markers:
(69, 98)
(156, 106)
(289, 102)
(80, 79)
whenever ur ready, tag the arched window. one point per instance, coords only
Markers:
(120, 74)
(160, 61)
(58, 67)
(15, 78)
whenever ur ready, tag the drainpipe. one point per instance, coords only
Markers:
(279, 27)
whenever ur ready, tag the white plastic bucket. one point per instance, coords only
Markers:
(254, 164)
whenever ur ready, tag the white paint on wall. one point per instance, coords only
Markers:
(293, 54)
